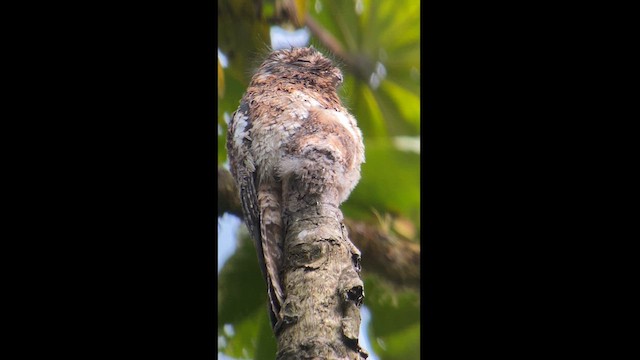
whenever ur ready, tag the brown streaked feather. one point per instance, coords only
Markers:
(271, 236)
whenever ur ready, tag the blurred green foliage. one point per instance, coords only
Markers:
(383, 93)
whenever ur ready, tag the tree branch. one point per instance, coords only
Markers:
(324, 291)
(394, 259)
(359, 65)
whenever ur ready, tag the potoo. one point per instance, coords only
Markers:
(291, 142)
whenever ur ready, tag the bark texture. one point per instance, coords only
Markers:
(321, 312)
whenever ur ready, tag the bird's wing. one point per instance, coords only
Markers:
(265, 235)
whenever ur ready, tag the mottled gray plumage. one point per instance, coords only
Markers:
(290, 124)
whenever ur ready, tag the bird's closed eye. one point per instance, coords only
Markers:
(301, 62)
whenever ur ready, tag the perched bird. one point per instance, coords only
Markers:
(291, 139)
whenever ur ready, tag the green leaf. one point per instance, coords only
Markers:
(393, 309)
(252, 338)
(368, 109)
(401, 345)
(220, 80)
(380, 35)
(234, 89)
(403, 102)
(390, 182)
(241, 289)
(266, 347)
(394, 331)
(241, 342)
